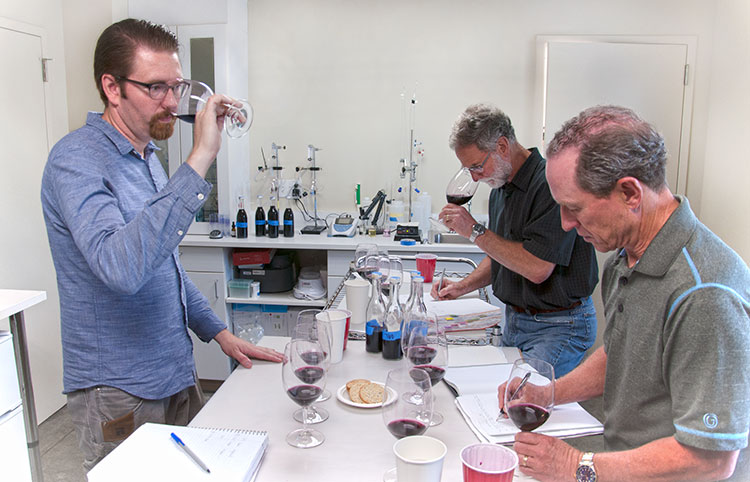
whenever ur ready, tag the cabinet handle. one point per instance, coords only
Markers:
(216, 289)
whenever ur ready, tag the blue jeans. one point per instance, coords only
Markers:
(560, 338)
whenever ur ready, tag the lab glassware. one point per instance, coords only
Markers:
(530, 393)
(461, 188)
(304, 378)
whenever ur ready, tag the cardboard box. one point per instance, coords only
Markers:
(252, 256)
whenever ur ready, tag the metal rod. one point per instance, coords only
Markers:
(18, 329)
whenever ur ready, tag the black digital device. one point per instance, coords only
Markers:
(405, 231)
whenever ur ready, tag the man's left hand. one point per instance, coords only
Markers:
(458, 219)
(242, 350)
(546, 458)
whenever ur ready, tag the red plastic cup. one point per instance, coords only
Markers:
(426, 266)
(488, 463)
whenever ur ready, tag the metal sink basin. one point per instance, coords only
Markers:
(451, 238)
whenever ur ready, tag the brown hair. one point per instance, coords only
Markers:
(117, 44)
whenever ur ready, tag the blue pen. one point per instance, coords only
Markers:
(189, 452)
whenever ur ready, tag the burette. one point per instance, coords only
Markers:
(408, 119)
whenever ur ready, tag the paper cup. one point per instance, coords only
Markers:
(426, 266)
(488, 463)
(419, 458)
(357, 297)
(337, 320)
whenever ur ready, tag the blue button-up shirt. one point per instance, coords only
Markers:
(114, 222)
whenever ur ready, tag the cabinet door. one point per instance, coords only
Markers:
(210, 361)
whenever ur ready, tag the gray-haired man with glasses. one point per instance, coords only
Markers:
(544, 275)
(114, 222)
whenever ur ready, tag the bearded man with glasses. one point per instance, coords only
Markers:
(543, 274)
(114, 222)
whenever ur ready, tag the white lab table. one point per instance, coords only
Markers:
(12, 305)
(357, 447)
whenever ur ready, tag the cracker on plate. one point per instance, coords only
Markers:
(371, 393)
(354, 390)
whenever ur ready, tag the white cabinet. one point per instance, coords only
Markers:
(15, 454)
(206, 268)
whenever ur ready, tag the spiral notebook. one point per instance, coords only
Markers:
(149, 453)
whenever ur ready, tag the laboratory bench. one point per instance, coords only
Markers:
(208, 263)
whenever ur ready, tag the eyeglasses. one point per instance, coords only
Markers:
(480, 167)
(159, 90)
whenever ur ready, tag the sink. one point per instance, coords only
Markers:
(441, 238)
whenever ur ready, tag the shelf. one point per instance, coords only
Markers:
(285, 298)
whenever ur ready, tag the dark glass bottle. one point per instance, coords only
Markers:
(260, 219)
(288, 223)
(394, 321)
(241, 224)
(273, 222)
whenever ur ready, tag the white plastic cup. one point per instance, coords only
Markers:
(419, 459)
(488, 463)
(336, 320)
(357, 297)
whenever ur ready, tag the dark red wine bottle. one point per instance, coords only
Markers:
(260, 221)
(288, 223)
(241, 224)
(273, 222)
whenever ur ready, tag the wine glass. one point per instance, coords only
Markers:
(237, 120)
(304, 381)
(530, 393)
(428, 350)
(308, 328)
(411, 412)
(461, 188)
(361, 253)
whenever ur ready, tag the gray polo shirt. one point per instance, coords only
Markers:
(677, 341)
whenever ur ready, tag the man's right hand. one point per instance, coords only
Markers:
(450, 290)
(209, 122)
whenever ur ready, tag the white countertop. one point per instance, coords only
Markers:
(323, 242)
(357, 447)
(13, 301)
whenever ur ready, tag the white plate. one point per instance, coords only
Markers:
(343, 395)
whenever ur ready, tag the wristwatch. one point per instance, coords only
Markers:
(476, 231)
(585, 471)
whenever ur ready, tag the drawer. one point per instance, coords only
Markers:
(338, 262)
(15, 461)
(196, 258)
(10, 396)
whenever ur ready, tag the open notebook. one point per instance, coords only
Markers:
(151, 454)
(476, 390)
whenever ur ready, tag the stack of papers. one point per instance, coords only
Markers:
(477, 401)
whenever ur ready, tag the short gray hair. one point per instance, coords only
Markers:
(614, 142)
(481, 125)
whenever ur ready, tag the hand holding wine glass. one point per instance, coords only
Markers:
(530, 393)
(461, 188)
(238, 116)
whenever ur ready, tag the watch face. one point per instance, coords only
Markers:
(584, 473)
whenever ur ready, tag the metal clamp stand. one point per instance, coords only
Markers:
(314, 229)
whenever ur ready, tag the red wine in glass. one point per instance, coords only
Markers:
(458, 199)
(527, 416)
(189, 118)
(435, 373)
(304, 395)
(309, 375)
(313, 357)
(406, 427)
(421, 355)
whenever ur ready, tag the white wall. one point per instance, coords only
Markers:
(26, 263)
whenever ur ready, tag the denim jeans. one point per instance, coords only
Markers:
(104, 416)
(560, 338)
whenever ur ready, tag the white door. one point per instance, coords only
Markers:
(25, 259)
(650, 76)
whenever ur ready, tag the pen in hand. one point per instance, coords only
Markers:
(189, 452)
(513, 395)
(440, 285)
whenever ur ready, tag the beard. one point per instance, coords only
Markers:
(159, 130)
(500, 177)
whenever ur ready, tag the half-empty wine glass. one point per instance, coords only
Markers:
(308, 328)
(428, 350)
(461, 188)
(530, 393)
(411, 412)
(237, 120)
(304, 381)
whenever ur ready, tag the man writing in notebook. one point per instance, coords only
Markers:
(673, 370)
(544, 275)
(114, 222)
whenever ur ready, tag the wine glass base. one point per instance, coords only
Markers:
(437, 419)
(324, 396)
(314, 415)
(390, 475)
(305, 438)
